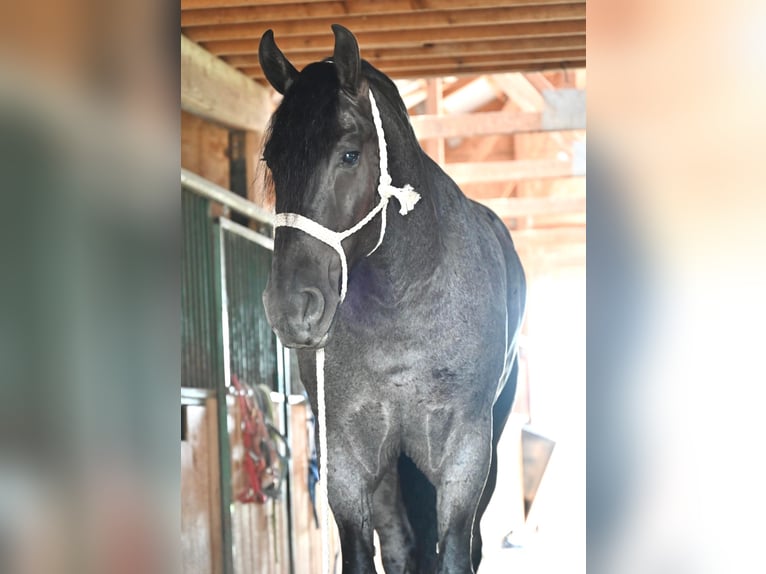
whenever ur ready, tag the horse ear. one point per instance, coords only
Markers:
(278, 70)
(347, 60)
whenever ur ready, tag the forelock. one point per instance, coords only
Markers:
(301, 131)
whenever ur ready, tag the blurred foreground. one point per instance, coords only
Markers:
(89, 312)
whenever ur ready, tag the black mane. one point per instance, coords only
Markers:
(383, 84)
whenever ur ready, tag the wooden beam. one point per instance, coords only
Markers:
(403, 38)
(478, 124)
(487, 63)
(514, 207)
(518, 88)
(466, 68)
(435, 146)
(442, 60)
(396, 21)
(277, 10)
(486, 123)
(540, 82)
(486, 145)
(467, 48)
(202, 4)
(484, 171)
(212, 89)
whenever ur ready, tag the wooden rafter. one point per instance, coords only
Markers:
(419, 20)
(205, 12)
(484, 123)
(518, 88)
(404, 38)
(503, 157)
(467, 48)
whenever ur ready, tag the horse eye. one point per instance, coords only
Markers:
(350, 158)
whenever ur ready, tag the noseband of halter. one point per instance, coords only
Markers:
(406, 196)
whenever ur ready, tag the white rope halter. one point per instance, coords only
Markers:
(406, 196)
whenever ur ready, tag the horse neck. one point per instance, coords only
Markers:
(411, 248)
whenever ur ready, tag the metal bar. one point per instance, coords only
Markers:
(208, 189)
(224, 370)
(283, 372)
(247, 233)
(197, 394)
(223, 301)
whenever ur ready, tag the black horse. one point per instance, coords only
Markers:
(418, 314)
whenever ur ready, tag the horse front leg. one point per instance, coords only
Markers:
(459, 485)
(397, 541)
(350, 496)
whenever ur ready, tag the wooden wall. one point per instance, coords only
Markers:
(260, 531)
(200, 491)
(204, 149)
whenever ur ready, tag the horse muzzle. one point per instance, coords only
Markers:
(300, 317)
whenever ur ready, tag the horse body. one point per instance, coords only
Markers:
(420, 349)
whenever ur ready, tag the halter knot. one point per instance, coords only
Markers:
(406, 196)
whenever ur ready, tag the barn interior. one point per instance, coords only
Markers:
(496, 95)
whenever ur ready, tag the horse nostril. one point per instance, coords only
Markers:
(313, 305)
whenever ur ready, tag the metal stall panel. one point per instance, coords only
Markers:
(252, 344)
(261, 534)
(200, 347)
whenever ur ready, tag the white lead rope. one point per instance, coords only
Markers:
(407, 198)
(323, 472)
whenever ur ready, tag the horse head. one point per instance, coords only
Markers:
(322, 157)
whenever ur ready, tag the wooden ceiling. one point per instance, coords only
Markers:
(402, 38)
(495, 91)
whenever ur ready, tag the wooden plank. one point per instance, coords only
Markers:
(289, 10)
(212, 89)
(434, 147)
(518, 88)
(200, 492)
(202, 4)
(469, 70)
(486, 146)
(307, 535)
(513, 207)
(498, 62)
(324, 42)
(479, 47)
(404, 21)
(540, 82)
(480, 124)
(480, 69)
(444, 60)
(476, 172)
